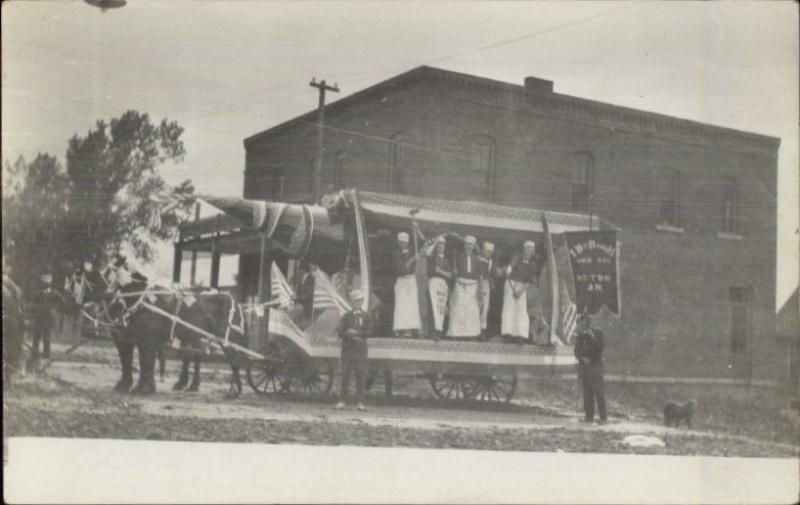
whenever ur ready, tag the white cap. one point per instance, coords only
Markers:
(47, 278)
(440, 240)
(529, 243)
(402, 237)
(469, 239)
(489, 246)
(356, 294)
(87, 265)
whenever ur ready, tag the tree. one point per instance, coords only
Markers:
(115, 187)
(34, 214)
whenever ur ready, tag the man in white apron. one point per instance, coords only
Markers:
(465, 312)
(519, 276)
(439, 275)
(486, 283)
(407, 321)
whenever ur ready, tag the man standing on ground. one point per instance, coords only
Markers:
(43, 306)
(353, 330)
(589, 345)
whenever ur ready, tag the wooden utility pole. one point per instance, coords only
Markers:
(323, 87)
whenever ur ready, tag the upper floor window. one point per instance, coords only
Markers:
(670, 210)
(730, 205)
(394, 174)
(481, 176)
(582, 177)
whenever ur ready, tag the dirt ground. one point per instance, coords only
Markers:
(73, 398)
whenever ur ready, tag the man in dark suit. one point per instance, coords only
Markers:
(589, 345)
(44, 303)
(353, 330)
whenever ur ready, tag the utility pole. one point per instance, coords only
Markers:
(323, 87)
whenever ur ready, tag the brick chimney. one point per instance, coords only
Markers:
(536, 85)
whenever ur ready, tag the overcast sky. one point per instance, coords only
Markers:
(226, 70)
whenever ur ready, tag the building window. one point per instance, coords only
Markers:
(278, 184)
(482, 168)
(740, 301)
(394, 173)
(338, 169)
(582, 177)
(730, 206)
(670, 211)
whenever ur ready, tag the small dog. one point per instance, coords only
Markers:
(675, 412)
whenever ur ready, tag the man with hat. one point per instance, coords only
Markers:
(353, 330)
(44, 303)
(439, 275)
(520, 274)
(465, 312)
(487, 283)
(589, 345)
(407, 321)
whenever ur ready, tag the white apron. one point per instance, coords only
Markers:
(406, 304)
(515, 320)
(438, 290)
(485, 298)
(465, 315)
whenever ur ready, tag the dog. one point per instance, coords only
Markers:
(675, 412)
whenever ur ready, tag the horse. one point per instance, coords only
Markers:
(129, 305)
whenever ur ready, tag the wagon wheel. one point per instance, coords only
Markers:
(269, 376)
(377, 375)
(310, 378)
(453, 386)
(497, 387)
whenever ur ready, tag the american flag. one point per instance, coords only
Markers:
(569, 316)
(279, 287)
(325, 294)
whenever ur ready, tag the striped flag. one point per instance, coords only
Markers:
(280, 323)
(280, 289)
(325, 294)
(569, 315)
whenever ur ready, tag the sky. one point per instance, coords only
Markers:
(227, 70)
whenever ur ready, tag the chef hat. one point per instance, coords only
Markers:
(402, 237)
(489, 246)
(529, 243)
(469, 239)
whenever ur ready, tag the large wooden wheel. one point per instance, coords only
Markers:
(453, 386)
(269, 376)
(310, 378)
(496, 387)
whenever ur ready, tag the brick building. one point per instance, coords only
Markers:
(696, 202)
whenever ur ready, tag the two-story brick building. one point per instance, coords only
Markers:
(696, 202)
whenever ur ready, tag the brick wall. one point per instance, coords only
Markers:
(676, 308)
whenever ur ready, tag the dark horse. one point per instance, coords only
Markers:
(130, 306)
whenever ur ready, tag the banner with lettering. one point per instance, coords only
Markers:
(594, 257)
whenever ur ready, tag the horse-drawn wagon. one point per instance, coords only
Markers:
(349, 239)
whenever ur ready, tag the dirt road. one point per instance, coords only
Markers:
(73, 399)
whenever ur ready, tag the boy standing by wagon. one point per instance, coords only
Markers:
(353, 330)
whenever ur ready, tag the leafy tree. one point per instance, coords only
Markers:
(34, 214)
(105, 199)
(115, 188)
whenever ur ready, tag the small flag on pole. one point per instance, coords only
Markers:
(280, 290)
(325, 294)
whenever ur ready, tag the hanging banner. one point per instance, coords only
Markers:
(594, 257)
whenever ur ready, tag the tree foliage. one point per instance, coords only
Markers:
(34, 213)
(104, 200)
